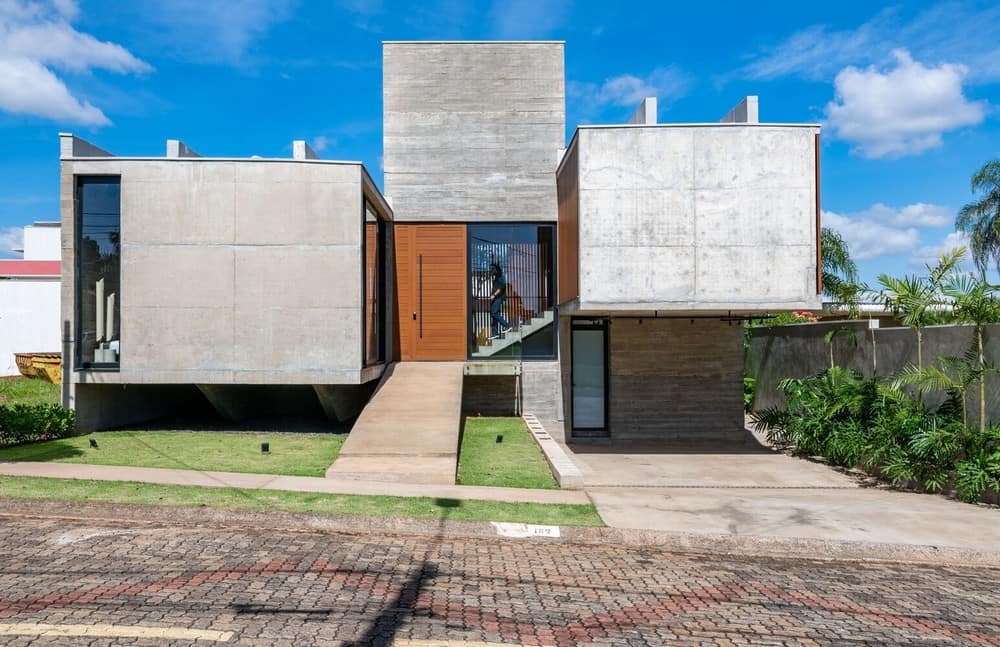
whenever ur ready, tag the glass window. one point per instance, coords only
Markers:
(374, 288)
(98, 253)
(512, 291)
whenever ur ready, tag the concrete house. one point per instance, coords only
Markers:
(244, 279)
(627, 258)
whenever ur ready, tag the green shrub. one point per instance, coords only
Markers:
(852, 421)
(749, 390)
(26, 423)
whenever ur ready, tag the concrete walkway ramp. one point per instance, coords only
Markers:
(408, 432)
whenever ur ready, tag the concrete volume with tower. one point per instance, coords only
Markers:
(599, 285)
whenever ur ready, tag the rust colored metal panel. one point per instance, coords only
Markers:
(431, 291)
(819, 228)
(567, 184)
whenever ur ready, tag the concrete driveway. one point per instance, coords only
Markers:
(749, 489)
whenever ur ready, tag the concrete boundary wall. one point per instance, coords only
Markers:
(799, 350)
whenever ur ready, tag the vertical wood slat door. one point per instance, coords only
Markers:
(431, 287)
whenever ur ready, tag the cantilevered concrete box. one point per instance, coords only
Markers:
(233, 271)
(694, 218)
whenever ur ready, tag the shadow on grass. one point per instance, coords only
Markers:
(53, 450)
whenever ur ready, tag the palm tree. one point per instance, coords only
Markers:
(981, 219)
(913, 299)
(838, 267)
(976, 302)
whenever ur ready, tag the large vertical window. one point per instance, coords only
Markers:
(98, 271)
(512, 291)
(374, 287)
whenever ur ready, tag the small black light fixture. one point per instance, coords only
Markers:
(265, 448)
(499, 438)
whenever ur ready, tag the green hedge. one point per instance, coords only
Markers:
(28, 423)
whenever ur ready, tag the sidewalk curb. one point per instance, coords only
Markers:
(729, 546)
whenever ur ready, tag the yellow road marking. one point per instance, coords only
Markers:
(112, 631)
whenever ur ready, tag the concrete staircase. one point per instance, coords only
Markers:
(507, 340)
(408, 432)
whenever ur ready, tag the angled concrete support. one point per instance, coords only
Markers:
(341, 402)
(231, 402)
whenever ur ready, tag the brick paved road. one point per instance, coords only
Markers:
(274, 588)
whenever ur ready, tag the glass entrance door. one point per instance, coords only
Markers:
(589, 374)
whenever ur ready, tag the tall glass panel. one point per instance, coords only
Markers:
(589, 372)
(98, 253)
(374, 288)
(512, 295)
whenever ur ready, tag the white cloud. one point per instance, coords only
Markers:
(903, 111)
(35, 39)
(929, 254)
(912, 215)
(869, 238)
(628, 90)
(939, 32)
(11, 238)
(320, 143)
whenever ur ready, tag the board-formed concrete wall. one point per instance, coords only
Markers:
(233, 271)
(799, 350)
(472, 131)
(697, 217)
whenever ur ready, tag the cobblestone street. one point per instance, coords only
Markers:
(111, 584)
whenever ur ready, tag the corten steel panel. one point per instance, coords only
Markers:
(568, 184)
(471, 131)
(431, 291)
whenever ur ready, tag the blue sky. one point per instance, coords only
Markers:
(907, 93)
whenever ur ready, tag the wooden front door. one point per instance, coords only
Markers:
(431, 291)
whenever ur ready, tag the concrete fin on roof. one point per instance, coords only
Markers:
(301, 150)
(72, 146)
(177, 148)
(746, 111)
(645, 114)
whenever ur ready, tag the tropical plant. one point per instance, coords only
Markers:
(977, 302)
(980, 219)
(839, 331)
(917, 300)
(840, 272)
(953, 375)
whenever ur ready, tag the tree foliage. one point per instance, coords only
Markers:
(980, 219)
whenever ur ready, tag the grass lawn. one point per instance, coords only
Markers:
(291, 454)
(515, 462)
(378, 506)
(22, 390)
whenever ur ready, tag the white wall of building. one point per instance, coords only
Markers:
(41, 242)
(29, 319)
